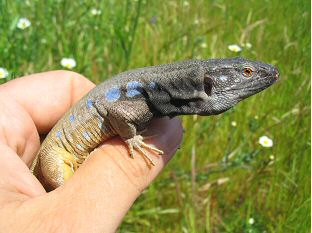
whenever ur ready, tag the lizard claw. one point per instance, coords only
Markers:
(137, 143)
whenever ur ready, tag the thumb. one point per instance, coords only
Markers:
(109, 181)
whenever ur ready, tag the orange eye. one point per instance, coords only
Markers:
(247, 72)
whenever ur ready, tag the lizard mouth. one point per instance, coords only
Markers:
(256, 87)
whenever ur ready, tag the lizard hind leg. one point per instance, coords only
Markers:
(57, 166)
(137, 143)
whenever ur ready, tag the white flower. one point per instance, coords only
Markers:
(69, 63)
(203, 45)
(196, 21)
(233, 123)
(265, 141)
(247, 45)
(234, 48)
(251, 221)
(272, 157)
(23, 23)
(95, 11)
(3, 73)
(186, 3)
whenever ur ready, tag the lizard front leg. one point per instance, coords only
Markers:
(128, 118)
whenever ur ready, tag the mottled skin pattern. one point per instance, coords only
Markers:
(125, 104)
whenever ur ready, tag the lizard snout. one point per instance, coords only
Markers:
(276, 73)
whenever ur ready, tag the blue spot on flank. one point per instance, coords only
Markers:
(100, 125)
(152, 85)
(86, 135)
(58, 134)
(79, 147)
(134, 88)
(71, 118)
(113, 94)
(89, 104)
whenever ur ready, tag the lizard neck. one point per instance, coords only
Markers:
(178, 93)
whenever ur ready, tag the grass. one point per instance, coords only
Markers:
(222, 177)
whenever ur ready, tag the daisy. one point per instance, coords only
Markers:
(95, 11)
(203, 45)
(234, 48)
(3, 73)
(251, 221)
(234, 123)
(68, 63)
(265, 141)
(23, 23)
(247, 45)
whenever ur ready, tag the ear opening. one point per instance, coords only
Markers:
(208, 84)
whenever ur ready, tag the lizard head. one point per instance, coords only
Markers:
(228, 81)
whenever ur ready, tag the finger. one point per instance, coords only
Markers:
(47, 96)
(15, 176)
(27, 104)
(17, 130)
(113, 180)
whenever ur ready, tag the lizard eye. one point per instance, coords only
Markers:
(247, 72)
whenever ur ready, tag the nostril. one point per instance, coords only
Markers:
(276, 73)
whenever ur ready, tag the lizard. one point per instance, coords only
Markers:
(125, 105)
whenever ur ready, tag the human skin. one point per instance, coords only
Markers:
(102, 190)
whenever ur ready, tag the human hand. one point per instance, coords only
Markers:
(102, 190)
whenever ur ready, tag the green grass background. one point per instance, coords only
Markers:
(222, 176)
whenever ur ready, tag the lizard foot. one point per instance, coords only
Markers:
(137, 143)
